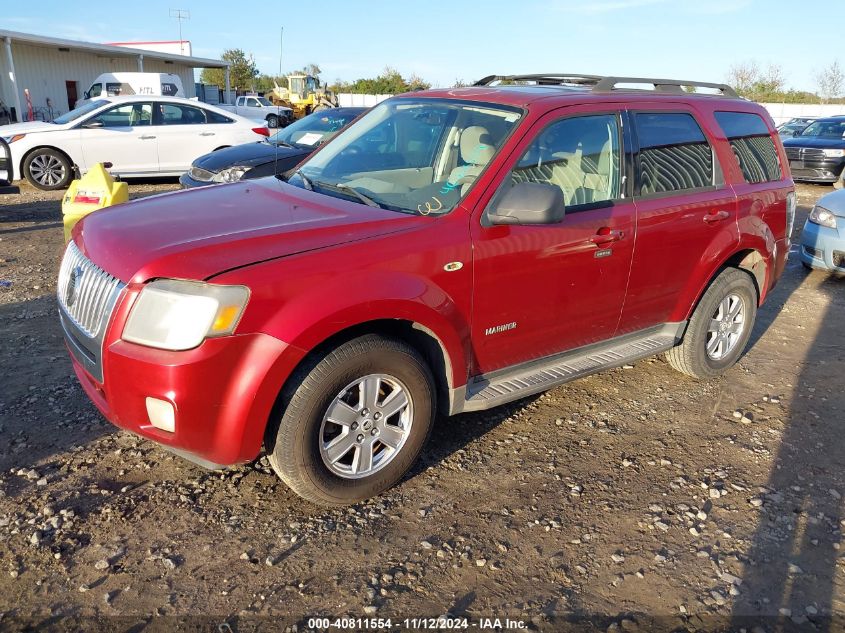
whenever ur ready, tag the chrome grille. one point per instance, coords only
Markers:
(203, 175)
(804, 153)
(85, 291)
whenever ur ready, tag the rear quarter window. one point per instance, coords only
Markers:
(674, 153)
(752, 145)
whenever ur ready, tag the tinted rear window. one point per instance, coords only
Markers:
(674, 153)
(752, 145)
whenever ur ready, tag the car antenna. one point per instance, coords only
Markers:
(276, 144)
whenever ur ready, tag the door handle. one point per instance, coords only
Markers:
(145, 138)
(206, 133)
(716, 216)
(606, 236)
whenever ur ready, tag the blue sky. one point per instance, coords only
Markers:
(444, 40)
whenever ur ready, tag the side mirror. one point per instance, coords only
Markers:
(529, 203)
(796, 133)
(90, 125)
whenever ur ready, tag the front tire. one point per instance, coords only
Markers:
(272, 121)
(47, 169)
(355, 421)
(719, 328)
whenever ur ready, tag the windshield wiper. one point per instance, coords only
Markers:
(362, 197)
(282, 143)
(305, 180)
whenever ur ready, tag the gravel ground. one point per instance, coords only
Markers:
(631, 500)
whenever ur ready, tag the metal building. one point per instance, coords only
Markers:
(60, 70)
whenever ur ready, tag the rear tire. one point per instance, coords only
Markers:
(719, 328)
(47, 169)
(339, 439)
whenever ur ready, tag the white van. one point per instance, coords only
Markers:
(123, 84)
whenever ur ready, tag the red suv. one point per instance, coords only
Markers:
(450, 251)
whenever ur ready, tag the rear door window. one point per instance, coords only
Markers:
(674, 153)
(752, 146)
(173, 114)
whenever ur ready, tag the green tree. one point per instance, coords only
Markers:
(390, 81)
(242, 71)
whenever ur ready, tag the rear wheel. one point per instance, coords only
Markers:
(355, 421)
(47, 169)
(719, 328)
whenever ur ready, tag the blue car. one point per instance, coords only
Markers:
(823, 237)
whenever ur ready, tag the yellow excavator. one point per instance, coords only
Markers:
(303, 95)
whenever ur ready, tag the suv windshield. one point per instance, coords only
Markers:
(79, 112)
(416, 156)
(826, 129)
(264, 101)
(314, 129)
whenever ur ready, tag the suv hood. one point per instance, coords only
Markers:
(814, 141)
(198, 233)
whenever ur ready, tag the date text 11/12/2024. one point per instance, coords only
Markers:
(416, 624)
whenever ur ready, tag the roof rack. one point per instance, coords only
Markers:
(600, 83)
(606, 84)
(544, 79)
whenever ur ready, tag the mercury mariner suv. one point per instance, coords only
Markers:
(450, 251)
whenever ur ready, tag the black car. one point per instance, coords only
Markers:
(5, 170)
(279, 153)
(817, 154)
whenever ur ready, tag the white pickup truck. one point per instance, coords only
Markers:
(260, 109)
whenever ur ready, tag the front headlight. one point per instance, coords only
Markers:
(13, 138)
(833, 153)
(232, 174)
(179, 315)
(820, 215)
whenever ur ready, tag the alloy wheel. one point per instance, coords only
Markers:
(366, 426)
(47, 170)
(726, 327)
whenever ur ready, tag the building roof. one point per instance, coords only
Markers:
(107, 50)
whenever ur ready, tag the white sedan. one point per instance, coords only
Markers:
(140, 136)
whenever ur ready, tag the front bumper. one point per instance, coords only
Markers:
(223, 393)
(7, 172)
(823, 247)
(823, 171)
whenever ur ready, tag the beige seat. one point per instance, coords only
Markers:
(563, 171)
(596, 176)
(476, 146)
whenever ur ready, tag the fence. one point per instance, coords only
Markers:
(346, 99)
(782, 112)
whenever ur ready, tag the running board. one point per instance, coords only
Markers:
(491, 390)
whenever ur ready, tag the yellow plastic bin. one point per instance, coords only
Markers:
(95, 190)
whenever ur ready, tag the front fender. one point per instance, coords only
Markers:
(304, 316)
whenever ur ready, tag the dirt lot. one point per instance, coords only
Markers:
(632, 500)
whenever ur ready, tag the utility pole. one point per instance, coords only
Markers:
(179, 15)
